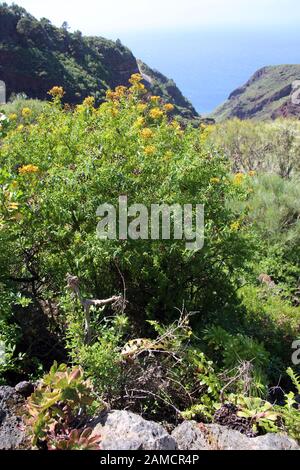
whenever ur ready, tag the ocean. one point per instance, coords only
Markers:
(208, 65)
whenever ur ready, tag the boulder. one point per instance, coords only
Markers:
(25, 389)
(12, 433)
(193, 436)
(123, 430)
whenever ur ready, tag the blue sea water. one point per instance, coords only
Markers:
(208, 65)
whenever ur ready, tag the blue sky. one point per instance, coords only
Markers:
(114, 17)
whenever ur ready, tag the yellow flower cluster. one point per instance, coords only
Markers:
(13, 206)
(13, 117)
(150, 150)
(155, 99)
(147, 133)
(156, 113)
(119, 92)
(215, 180)
(135, 81)
(235, 226)
(139, 122)
(141, 107)
(238, 179)
(175, 125)
(56, 92)
(252, 173)
(28, 169)
(135, 78)
(89, 102)
(26, 112)
(169, 107)
(114, 111)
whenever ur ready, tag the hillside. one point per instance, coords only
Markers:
(268, 94)
(35, 56)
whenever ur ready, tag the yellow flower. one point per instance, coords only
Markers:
(27, 169)
(114, 111)
(117, 94)
(13, 206)
(215, 180)
(156, 113)
(89, 102)
(175, 125)
(147, 133)
(26, 112)
(110, 95)
(141, 107)
(149, 150)
(139, 122)
(13, 117)
(155, 99)
(238, 179)
(56, 92)
(20, 127)
(235, 226)
(252, 173)
(120, 91)
(135, 78)
(169, 107)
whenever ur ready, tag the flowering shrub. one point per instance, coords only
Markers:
(83, 158)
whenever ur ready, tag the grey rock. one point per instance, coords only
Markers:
(192, 436)
(11, 427)
(123, 430)
(25, 389)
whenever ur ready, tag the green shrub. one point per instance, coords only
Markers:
(55, 174)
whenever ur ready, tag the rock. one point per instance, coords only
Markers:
(123, 430)
(12, 433)
(25, 389)
(193, 436)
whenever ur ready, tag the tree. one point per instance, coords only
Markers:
(65, 26)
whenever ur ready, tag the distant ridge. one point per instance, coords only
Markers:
(35, 56)
(271, 92)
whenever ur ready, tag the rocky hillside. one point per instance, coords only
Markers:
(35, 56)
(270, 93)
(123, 430)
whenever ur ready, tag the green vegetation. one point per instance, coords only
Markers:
(178, 333)
(266, 95)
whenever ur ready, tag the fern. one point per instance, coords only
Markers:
(295, 378)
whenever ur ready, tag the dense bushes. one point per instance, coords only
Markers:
(57, 166)
(271, 147)
(56, 173)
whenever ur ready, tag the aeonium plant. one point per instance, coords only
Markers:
(57, 411)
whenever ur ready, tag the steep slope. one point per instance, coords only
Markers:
(271, 92)
(35, 55)
(163, 86)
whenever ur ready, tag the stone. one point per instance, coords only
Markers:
(12, 433)
(193, 436)
(25, 389)
(123, 430)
